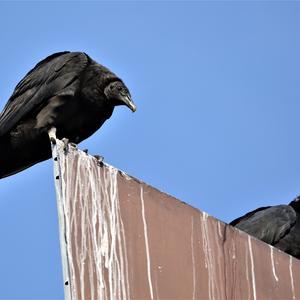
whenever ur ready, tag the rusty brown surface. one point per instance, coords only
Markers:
(127, 240)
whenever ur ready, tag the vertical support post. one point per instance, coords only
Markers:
(55, 144)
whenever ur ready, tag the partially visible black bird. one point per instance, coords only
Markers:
(67, 94)
(276, 225)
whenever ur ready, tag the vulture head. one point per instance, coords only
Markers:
(117, 93)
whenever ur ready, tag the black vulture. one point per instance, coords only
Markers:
(276, 225)
(67, 95)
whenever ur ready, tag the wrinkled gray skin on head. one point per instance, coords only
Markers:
(118, 93)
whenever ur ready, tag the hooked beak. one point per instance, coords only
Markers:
(129, 103)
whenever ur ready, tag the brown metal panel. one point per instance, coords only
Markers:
(123, 239)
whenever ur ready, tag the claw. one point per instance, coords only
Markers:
(66, 145)
(99, 159)
(52, 140)
(73, 145)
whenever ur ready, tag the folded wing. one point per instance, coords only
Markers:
(57, 74)
(269, 224)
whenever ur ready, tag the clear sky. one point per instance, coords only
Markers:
(218, 96)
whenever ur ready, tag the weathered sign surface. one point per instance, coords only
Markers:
(123, 239)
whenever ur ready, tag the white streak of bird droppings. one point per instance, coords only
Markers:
(273, 264)
(292, 277)
(62, 220)
(208, 259)
(146, 244)
(125, 175)
(247, 276)
(219, 229)
(252, 267)
(193, 259)
(94, 231)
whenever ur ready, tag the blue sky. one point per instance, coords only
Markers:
(218, 96)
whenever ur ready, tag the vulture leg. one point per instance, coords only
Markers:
(52, 135)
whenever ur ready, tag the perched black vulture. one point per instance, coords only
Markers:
(67, 94)
(276, 225)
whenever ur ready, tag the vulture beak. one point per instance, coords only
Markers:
(129, 103)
